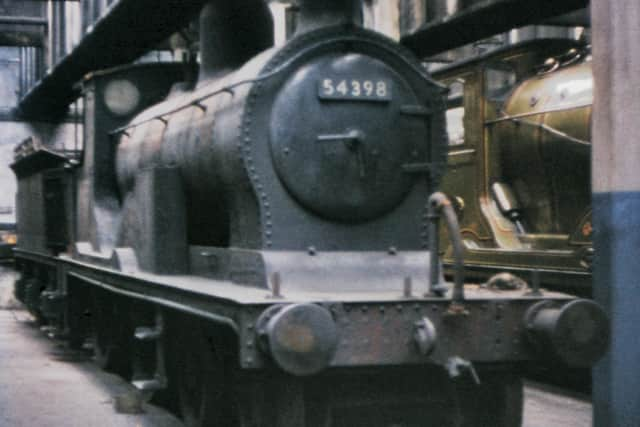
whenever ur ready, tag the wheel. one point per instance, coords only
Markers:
(19, 286)
(33, 290)
(76, 317)
(198, 376)
(496, 402)
(111, 334)
(201, 379)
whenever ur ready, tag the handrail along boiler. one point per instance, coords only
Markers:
(259, 244)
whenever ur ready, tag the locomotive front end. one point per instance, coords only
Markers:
(346, 128)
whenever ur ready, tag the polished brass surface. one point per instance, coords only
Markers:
(526, 120)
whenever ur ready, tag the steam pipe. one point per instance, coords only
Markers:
(435, 287)
(439, 205)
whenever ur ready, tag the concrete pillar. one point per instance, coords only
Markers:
(616, 204)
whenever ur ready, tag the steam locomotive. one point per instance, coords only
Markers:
(519, 161)
(261, 248)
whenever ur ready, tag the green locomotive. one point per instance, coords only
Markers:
(519, 162)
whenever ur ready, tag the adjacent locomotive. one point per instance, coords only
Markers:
(264, 245)
(519, 161)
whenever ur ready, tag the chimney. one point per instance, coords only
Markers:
(316, 14)
(231, 33)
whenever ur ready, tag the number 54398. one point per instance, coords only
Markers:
(355, 89)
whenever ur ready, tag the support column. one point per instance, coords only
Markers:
(616, 204)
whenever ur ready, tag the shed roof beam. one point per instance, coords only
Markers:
(484, 19)
(126, 31)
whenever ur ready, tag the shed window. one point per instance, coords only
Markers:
(455, 113)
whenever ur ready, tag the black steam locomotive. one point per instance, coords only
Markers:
(261, 248)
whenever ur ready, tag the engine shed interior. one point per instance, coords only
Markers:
(300, 213)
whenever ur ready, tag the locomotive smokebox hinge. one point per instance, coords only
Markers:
(415, 110)
(417, 168)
